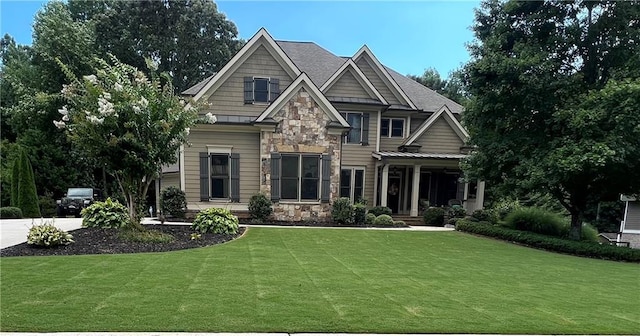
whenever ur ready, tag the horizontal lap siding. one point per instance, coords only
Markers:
(632, 222)
(416, 122)
(245, 144)
(170, 180)
(360, 156)
(390, 144)
(229, 98)
(377, 81)
(440, 138)
(347, 86)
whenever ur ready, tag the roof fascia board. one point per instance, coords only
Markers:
(360, 77)
(449, 118)
(262, 37)
(383, 73)
(303, 81)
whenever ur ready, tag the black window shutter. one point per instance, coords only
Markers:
(248, 90)
(274, 89)
(326, 178)
(204, 176)
(365, 129)
(235, 177)
(276, 159)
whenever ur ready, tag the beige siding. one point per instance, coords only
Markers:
(377, 81)
(246, 144)
(229, 98)
(348, 86)
(416, 122)
(390, 144)
(360, 156)
(632, 222)
(440, 138)
(170, 180)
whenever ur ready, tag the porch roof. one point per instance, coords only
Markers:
(404, 155)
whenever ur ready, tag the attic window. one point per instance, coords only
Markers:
(260, 89)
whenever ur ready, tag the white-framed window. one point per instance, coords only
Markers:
(355, 133)
(352, 183)
(392, 127)
(300, 177)
(261, 89)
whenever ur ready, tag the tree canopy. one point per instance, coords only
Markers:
(451, 88)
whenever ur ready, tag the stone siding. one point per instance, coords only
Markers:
(302, 128)
(632, 238)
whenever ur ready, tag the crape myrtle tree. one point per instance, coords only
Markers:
(130, 123)
(555, 100)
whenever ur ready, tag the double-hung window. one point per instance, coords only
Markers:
(220, 176)
(300, 177)
(359, 131)
(352, 183)
(261, 89)
(392, 127)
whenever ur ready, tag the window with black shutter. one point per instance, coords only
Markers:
(261, 89)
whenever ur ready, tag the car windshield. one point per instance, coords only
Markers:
(80, 192)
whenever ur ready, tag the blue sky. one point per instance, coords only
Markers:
(408, 36)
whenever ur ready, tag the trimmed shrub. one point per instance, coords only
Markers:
(359, 214)
(260, 207)
(47, 235)
(504, 207)
(383, 220)
(399, 224)
(433, 216)
(453, 221)
(456, 211)
(27, 196)
(10, 212)
(589, 233)
(47, 205)
(215, 220)
(173, 202)
(578, 248)
(342, 211)
(483, 215)
(380, 210)
(536, 220)
(106, 215)
(369, 219)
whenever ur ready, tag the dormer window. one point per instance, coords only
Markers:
(392, 128)
(261, 90)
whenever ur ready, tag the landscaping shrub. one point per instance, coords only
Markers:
(47, 235)
(10, 212)
(483, 215)
(342, 211)
(380, 210)
(536, 220)
(399, 224)
(27, 197)
(504, 207)
(369, 219)
(47, 205)
(589, 233)
(107, 215)
(359, 214)
(433, 216)
(145, 236)
(173, 202)
(456, 211)
(215, 220)
(383, 220)
(453, 221)
(260, 207)
(579, 248)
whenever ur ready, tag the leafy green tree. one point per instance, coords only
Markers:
(27, 196)
(452, 88)
(554, 100)
(130, 123)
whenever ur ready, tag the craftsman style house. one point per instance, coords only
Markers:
(305, 127)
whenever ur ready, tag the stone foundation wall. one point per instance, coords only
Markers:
(632, 238)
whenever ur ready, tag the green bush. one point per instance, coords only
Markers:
(359, 214)
(27, 195)
(504, 207)
(47, 235)
(215, 220)
(399, 224)
(380, 210)
(536, 220)
(369, 219)
(456, 211)
(433, 216)
(106, 215)
(483, 215)
(383, 220)
(47, 205)
(173, 202)
(260, 207)
(579, 248)
(342, 211)
(10, 212)
(589, 233)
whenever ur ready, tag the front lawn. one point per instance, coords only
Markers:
(325, 280)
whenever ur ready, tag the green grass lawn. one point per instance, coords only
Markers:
(325, 280)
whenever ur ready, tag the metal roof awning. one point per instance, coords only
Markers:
(404, 155)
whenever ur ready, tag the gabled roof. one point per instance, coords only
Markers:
(303, 82)
(445, 113)
(384, 74)
(260, 38)
(424, 98)
(192, 91)
(350, 66)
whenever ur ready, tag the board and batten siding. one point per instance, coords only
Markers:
(376, 81)
(228, 99)
(440, 138)
(356, 155)
(245, 144)
(347, 86)
(632, 222)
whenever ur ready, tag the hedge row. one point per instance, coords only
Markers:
(578, 248)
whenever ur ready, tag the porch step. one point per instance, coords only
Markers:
(408, 219)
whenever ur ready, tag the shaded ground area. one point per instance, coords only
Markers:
(107, 241)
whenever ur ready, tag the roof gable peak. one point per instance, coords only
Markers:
(443, 112)
(351, 66)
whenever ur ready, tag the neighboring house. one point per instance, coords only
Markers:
(305, 127)
(630, 225)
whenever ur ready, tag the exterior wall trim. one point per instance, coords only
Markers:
(360, 77)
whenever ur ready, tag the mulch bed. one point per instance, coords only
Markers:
(106, 241)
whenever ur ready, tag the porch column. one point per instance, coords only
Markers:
(480, 195)
(376, 176)
(385, 185)
(415, 191)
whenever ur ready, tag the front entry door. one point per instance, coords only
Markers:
(393, 193)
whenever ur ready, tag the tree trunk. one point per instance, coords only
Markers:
(575, 232)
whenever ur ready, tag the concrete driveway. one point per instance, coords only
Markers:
(14, 231)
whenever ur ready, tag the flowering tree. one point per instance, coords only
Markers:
(130, 123)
